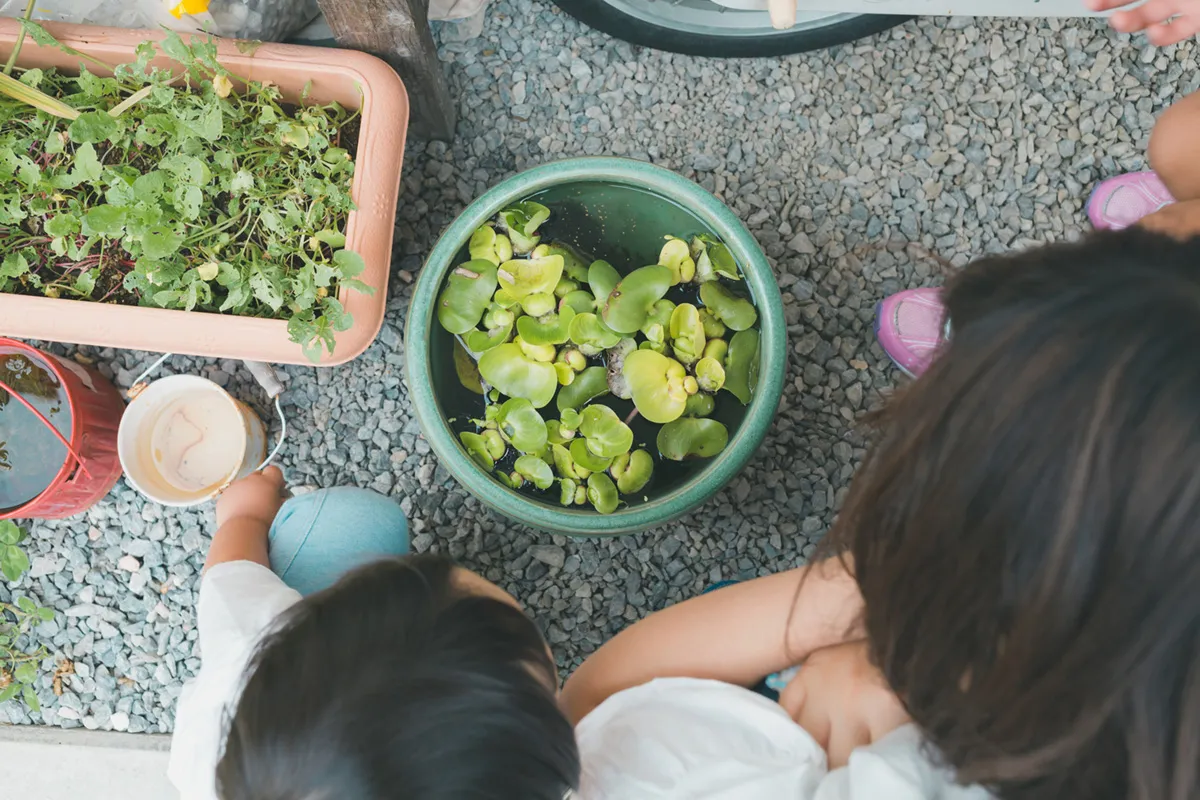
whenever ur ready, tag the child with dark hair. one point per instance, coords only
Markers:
(336, 667)
(1016, 569)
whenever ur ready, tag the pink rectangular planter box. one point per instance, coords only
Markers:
(351, 79)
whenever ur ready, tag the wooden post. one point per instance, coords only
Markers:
(398, 32)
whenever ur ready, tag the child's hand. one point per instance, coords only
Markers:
(257, 497)
(1164, 21)
(842, 700)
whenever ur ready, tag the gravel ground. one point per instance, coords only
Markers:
(861, 171)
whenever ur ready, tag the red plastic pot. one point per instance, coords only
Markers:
(90, 466)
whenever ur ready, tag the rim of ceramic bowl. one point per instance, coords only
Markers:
(720, 469)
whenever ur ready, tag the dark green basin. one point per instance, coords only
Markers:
(617, 209)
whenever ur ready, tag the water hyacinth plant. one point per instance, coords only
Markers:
(198, 192)
(555, 343)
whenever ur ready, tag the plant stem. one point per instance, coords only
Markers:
(12, 58)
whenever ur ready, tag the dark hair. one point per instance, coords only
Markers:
(1025, 530)
(396, 683)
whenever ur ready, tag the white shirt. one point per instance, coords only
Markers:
(689, 739)
(238, 602)
(669, 739)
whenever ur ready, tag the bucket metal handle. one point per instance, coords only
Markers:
(29, 406)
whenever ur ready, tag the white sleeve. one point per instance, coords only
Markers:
(897, 767)
(689, 739)
(238, 602)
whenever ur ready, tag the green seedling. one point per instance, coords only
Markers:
(587, 386)
(606, 435)
(571, 418)
(704, 267)
(534, 470)
(723, 263)
(699, 405)
(572, 358)
(602, 493)
(467, 369)
(629, 304)
(538, 303)
(632, 471)
(512, 373)
(522, 221)
(602, 278)
(676, 256)
(710, 375)
(488, 245)
(522, 426)
(687, 333)
(494, 442)
(549, 329)
(741, 365)
(523, 277)
(692, 438)
(657, 325)
(591, 335)
(658, 385)
(736, 313)
(466, 296)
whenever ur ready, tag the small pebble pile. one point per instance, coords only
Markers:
(861, 171)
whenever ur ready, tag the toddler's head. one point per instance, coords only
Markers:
(409, 678)
(1026, 529)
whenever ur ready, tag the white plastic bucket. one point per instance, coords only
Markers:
(184, 439)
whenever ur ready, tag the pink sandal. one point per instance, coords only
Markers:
(911, 326)
(1121, 201)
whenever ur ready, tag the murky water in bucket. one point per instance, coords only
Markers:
(197, 442)
(30, 455)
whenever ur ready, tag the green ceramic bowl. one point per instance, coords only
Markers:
(619, 210)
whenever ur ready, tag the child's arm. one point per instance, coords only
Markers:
(245, 512)
(1164, 21)
(737, 634)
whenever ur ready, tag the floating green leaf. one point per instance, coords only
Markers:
(467, 370)
(514, 374)
(606, 435)
(710, 375)
(602, 493)
(676, 256)
(630, 302)
(602, 278)
(579, 300)
(522, 426)
(632, 471)
(741, 365)
(525, 276)
(587, 386)
(687, 333)
(535, 470)
(692, 438)
(591, 335)
(477, 448)
(550, 328)
(584, 457)
(699, 405)
(657, 384)
(737, 313)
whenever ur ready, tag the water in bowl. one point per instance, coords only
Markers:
(30, 454)
(196, 442)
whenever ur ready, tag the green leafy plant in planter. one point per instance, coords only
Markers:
(542, 332)
(202, 192)
(18, 667)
